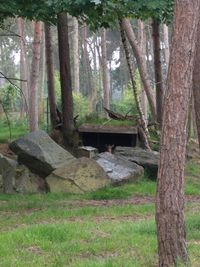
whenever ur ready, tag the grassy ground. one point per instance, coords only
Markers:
(16, 129)
(113, 227)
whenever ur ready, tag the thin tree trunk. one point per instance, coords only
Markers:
(142, 44)
(141, 65)
(42, 77)
(86, 62)
(65, 75)
(105, 70)
(76, 55)
(143, 129)
(23, 67)
(170, 188)
(33, 103)
(157, 70)
(166, 43)
(50, 74)
(196, 84)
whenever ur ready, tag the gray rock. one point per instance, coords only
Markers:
(81, 175)
(27, 182)
(40, 153)
(145, 158)
(119, 169)
(7, 171)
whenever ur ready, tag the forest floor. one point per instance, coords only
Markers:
(113, 227)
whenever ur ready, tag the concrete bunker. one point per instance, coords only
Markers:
(100, 136)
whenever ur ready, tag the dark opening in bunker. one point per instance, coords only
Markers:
(100, 136)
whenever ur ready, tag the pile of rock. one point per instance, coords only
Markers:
(42, 166)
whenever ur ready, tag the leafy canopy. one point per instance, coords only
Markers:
(97, 13)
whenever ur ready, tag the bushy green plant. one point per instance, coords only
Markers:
(9, 98)
(81, 105)
(126, 105)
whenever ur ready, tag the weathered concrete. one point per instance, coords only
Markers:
(119, 169)
(40, 153)
(81, 175)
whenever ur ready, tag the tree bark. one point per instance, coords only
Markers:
(142, 123)
(23, 68)
(196, 84)
(50, 74)
(105, 70)
(88, 79)
(142, 43)
(76, 55)
(42, 77)
(157, 70)
(33, 103)
(166, 44)
(141, 65)
(65, 75)
(170, 187)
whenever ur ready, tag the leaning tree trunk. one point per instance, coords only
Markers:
(142, 123)
(76, 55)
(170, 188)
(141, 65)
(196, 84)
(50, 74)
(33, 103)
(157, 69)
(65, 76)
(105, 70)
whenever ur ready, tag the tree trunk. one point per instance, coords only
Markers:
(142, 123)
(142, 43)
(42, 78)
(157, 70)
(23, 68)
(141, 65)
(65, 75)
(166, 44)
(170, 188)
(76, 55)
(50, 74)
(196, 84)
(105, 70)
(33, 103)
(86, 62)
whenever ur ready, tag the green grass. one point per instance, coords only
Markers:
(17, 130)
(47, 230)
(91, 230)
(104, 121)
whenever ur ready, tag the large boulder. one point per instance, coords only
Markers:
(27, 182)
(40, 153)
(119, 169)
(81, 175)
(147, 159)
(7, 172)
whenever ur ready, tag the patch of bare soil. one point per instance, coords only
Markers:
(139, 200)
(108, 203)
